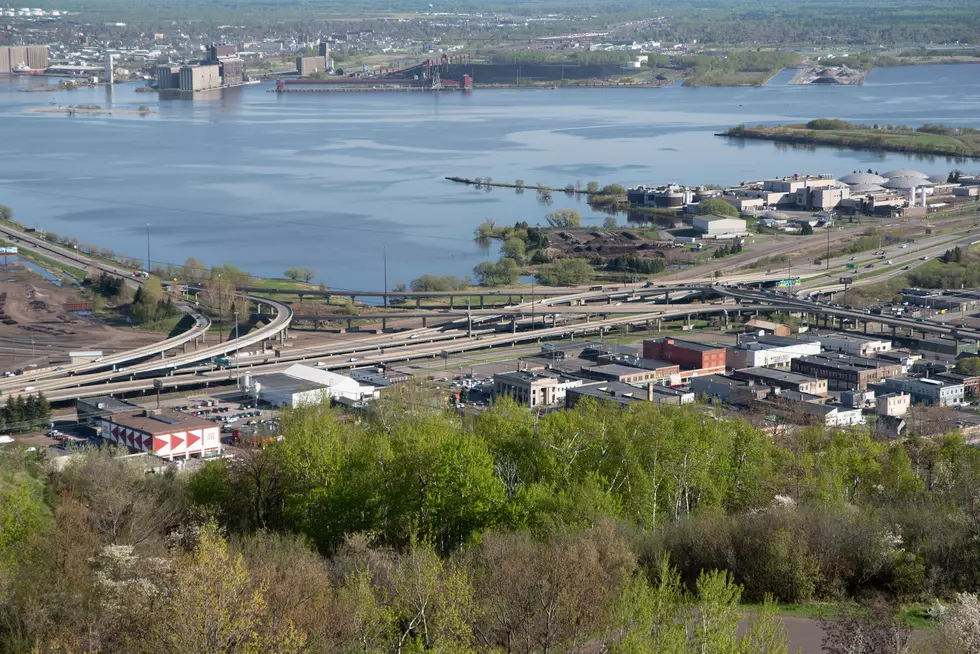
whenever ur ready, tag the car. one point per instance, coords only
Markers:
(414, 336)
(870, 265)
(852, 258)
(905, 268)
(353, 360)
(924, 258)
(903, 245)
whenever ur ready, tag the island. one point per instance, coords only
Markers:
(933, 139)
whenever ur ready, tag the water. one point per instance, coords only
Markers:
(268, 181)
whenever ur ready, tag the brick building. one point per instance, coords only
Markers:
(693, 358)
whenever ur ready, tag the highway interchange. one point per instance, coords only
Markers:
(572, 312)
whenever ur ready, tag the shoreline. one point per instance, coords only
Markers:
(73, 111)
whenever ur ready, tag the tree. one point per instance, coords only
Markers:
(502, 273)
(592, 187)
(564, 219)
(612, 189)
(609, 222)
(958, 627)
(565, 272)
(294, 273)
(718, 207)
(519, 183)
(806, 229)
(513, 248)
(307, 274)
(968, 366)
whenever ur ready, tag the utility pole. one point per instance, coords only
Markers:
(384, 255)
(147, 247)
(828, 245)
(532, 303)
(238, 379)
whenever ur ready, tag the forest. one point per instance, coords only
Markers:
(412, 529)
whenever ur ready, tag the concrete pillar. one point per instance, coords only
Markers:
(667, 297)
(894, 331)
(865, 326)
(350, 323)
(660, 324)
(424, 321)
(513, 325)
(384, 324)
(469, 324)
(609, 299)
(482, 298)
(450, 301)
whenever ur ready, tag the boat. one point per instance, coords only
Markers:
(24, 69)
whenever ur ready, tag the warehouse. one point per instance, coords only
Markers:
(782, 379)
(163, 432)
(301, 385)
(772, 351)
(719, 226)
(845, 373)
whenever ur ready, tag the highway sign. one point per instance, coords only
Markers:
(851, 266)
(790, 282)
(846, 281)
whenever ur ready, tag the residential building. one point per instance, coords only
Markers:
(833, 415)
(728, 389)
(928, 391)
(845, 372)
(758, 326)
(782, 379)
(631, 375)
(893, 404)
(163, 432)
(719, 226)
(853, 344)
(694, 358)
(625, 394)
(534, 389)
(768, 351)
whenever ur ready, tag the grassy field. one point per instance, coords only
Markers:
(937, 140)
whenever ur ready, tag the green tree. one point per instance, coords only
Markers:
(609, 222)
(592, 187)
(565, 272)
(564, 219)
(968, 366)
(716, 206)
(501, 273)
(613, 189)
(806, 229)
(513, 248)
(294, 273)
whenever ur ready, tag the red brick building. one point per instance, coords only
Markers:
(693, 358)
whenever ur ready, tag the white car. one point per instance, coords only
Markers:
(353, 360)
(414, 336)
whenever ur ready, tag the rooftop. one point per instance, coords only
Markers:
(712, 218)
(689, 345)
(778, 375)
(286, 384)
(108, 404)
(844, 361)
(164, 421)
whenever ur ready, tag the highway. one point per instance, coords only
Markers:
(88, 373)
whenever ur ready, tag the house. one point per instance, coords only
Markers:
(766, 327)
(853, 344)
(893, 404)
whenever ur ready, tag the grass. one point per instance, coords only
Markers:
(865, 137)
(76, 274)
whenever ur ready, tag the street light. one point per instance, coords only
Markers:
(237, 346)
(147, 247)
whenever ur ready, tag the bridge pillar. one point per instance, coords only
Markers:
(481, 300)
(418, 303)
(350, 323)
(513, 325)
(326, 298)
(687, 320)
(894, 330)
(667, 297)
(424, 321)
(469, 325)
(384, 324)
(608, 299)
(450, 301)
(865, 326)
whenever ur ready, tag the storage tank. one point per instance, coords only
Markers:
(668, 199)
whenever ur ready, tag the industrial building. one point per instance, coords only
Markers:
(309, 66)
(301, 385)
(769, 351)
(671, 196)
(844, 372)
(728, 389)
(759, 326)
(163, 432)
(719, 226)
(23, 58)
(91, 410)
(853, 344)
(221, 67)
(783, 379)
(534, 389)
(693, 358)
(927, 391)
(200, 77)
(947, 346)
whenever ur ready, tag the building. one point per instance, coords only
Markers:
(168, 77)
(928, 391)
(757, 326)
(379, 377)
(719, 226)
(110, 76)
(832, 415)
(631, 375)
(728, 389)
(782, 379)
(163, 432)
(769, 351)
(91, 410)
(18, 57)
(534, 389)
(697, 358)
(893, 404)
(281, 390)
(971, 383)
(625, 394)
(853, 344)
(947, 346)
(670, 196)
(308, 66)
(200, 77)
(844, 372)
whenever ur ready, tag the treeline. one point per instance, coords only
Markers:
(25, 413)
(957, 268)
(412, 529)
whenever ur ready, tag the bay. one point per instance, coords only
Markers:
(268, 181)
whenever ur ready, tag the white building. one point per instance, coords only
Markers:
(165, 433)
(770, 352)
(301, 385)
(853, 344)
(719, 226)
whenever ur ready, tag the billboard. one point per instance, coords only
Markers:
(846, 281)
(10, 250)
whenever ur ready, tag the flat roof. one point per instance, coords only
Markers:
(108, 403)
(620, 370)
(769, 340)
(844, 361)
(163, 422)
(689, 345)
(713, 218)
(780, 375)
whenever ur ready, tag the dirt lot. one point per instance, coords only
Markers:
(34, 311)
(611, 243)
